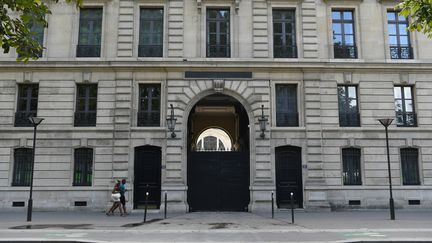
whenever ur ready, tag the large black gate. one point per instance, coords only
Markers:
(288, 176)
(218, 181)
(147, 176)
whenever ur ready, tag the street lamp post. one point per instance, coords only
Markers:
(35, 121)
(386, 122)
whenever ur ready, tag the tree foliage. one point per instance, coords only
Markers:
(420, 14)
(16, 16)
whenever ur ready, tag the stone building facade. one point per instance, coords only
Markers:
(312, 145)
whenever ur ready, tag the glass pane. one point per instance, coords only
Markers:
(408, 106)
(348, 28)
(93, 91)
(349, 40)
(337, 39)
(392, 29)
(277, 14)
(337, 29)
(347, 15)
(223, 28)
(397, 92)
(80, 105)
(407, 92)
(403, 40)
(391, 16)
(336, 15)
(401, 18)
(352, 92)
(398, 105)
(393, 40)
(403, 29)
(277, 28)
(212, 27)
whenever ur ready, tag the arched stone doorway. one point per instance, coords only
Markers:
(218, 165)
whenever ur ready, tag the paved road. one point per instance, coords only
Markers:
(219, 227)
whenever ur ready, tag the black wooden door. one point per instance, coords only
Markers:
(147, 176)
(218, 181)
(288, 176)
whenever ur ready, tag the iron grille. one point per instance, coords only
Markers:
(22, 118)
(285, 51)
(287, 119)
(349, 119)
(148, 119)
(83, 167)
(22, 167)
(85, 119)
(406, 119)
(218, 50)
(88, 50)
(150, 51)
(410, 170)
(401, 52)
(345, 51)
(351, 166)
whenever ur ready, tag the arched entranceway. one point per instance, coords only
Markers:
(218, 155)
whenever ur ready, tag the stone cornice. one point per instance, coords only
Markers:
(211, 64)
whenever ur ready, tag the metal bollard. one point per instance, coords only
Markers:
(292, 207)
(145, 206)
(272, 202)
(165, 211)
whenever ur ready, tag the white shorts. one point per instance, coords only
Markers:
(115, 197)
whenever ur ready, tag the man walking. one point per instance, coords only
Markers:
(122, 195)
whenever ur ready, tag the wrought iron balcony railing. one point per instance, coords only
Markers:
(218, 51)
(148, 119)
(85, 119)
(150, 50)
(406, 119)
(285, 51)
(350, 119)
(287, 119)
(22, 118)
(401, 52)
(88, 51)
(345, 51)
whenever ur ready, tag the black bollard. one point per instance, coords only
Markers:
(272, 202)
(165, 211)
(292, 207)
(145, 206)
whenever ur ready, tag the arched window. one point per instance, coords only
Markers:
(214, 139)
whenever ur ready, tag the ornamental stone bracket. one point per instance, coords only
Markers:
(218, 85)
(236, 5)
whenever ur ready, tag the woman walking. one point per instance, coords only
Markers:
(115, 197)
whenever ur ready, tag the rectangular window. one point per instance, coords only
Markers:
(286, 105)
(284, 34)
(86, 104)
(351, 166)
(149, 105)
(399, 39)
(410, 168)
(348, 106)
(27, 104)
(218, 33)
(37, 31)
(23, 158)
(83, 167)
(343, 34)
(404, 106)
(151, 32)
(90, 32)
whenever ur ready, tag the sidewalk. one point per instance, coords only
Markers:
(346, 226)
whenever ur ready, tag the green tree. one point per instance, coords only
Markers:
(16, 17)
(420, 14)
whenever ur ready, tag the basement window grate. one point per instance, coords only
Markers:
(413, 202)
(80, 204)
(18, 204)
(354, 202)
